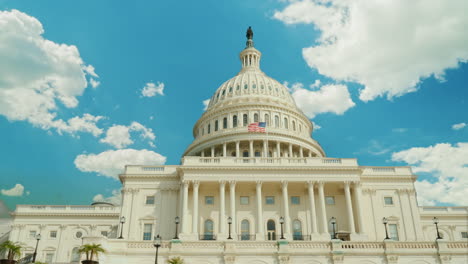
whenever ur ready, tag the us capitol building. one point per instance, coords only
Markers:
(252, 197)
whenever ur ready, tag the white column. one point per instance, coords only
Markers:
(265, 149)
(251, 150)
(278, 149)
(185, 208)
(196, 184)
(313, 213)
(222, 213)
(290, 150)
(415, 214)
(323, 211)
(237, 149)
(212, 151)
(232, 200)
(301, 152)
(203, 153)
(287, 219)
(358, 197)
(260, 235)
(310, 154)
(349, 208)
(224, 149)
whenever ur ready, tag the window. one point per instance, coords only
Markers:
(255, 117)
(245, 154)
(393, 231)
(246, 86)
(388, 200)
(208, 232)
(149, 199)
(245, 229)
(32, 234)
(294, 125)
(257, 154)
(238, 87)
(224, 91)
(297, 230)
(244, 119)
(75, 255)
(234, 121)
(79, 234)
(271, 230)
(225, 123)
(230, 89)
(53, 234)
(203, 132)
(269, 200)
(267, 119)
(285, 123)
(244, 200)
(147, 231)
(209, 128)
(464, 234)
(104, 233)
(254, 86)
(295, 200)
(330, 200)
(49, 257)
(209, 200)
(216, 125)
(276, 121)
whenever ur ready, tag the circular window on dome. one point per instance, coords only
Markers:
(79, 234)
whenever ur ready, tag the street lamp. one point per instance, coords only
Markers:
(38, 237)
(333, 222)
(282, 223)
(177, 220)
(229, 223)
(122, 221)
(385, 222)
(436, 223)
(157, 244)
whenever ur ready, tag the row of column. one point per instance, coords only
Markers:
(285, 199)
(265, 149)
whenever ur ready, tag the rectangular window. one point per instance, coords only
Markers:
(244, 200)
(53, 234)
(295, 200)
(393, 231)
(464, 234)
(32, 234)
(388, 200)
(147, 231)
(330, 200)
(269, 200)
(49, 257)
(149, 199)
(104, 233)
(209, 200)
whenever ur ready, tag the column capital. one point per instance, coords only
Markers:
(196, 184)
(259, 183)
(222, 182)
(232, 183)
(185, 183)
(347, 184)
(357, 184)
(321, 184)
(284, 184)
(311, 183)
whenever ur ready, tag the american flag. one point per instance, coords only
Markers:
(257, 127)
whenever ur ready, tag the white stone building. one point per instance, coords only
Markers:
(257, 180)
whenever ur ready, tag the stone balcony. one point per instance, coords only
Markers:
(66, 209)
(261, 161)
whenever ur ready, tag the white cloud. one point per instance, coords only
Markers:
(448, 166)
(94, 83)
(115, 198)
(206, 103)
(316, 126)
(17, 190)
(112, 162)
(152, 89)
(37, 74)
(329, 98)
(119, 136)
(316, 84)
(387, 46)
(458, 126)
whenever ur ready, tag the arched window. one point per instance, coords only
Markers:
(276, 121)
(208, 232)
(297, 230)
(255, 117)
(225, 123)
(271, 230)
(216, 125)
(300, 128)
(209, 128)
(234, 121)
(285, 123)
(245, 230)
(244, 119)
(267, 119)
(245, 154)
(294, 125)
(75, 255)
(257, 154)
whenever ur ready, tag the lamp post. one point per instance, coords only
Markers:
(38, 237)
(385, 222)
(282, 223)
(157, 244)
(122, 222)
(436, 223)
(177, 220)
(333, 222)
(229, 224)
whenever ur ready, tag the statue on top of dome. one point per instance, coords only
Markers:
(249, 34)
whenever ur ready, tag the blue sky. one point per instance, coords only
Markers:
(389, 93)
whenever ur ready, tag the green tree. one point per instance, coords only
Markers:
(91, 250)
(175, 260)
(13, 249)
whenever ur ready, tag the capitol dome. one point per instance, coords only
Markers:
(252, 97)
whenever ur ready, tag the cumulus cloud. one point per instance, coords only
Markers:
(37, 74)
(112, 162)
(119, 136)
(115, 198)
(328, 99)
(152, 89)
(386, 46)
(458, 126)
(448, 166)
(205, 104)
(17, 190)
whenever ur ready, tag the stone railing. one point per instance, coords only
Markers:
(386, 171)
(431, 210)
(140, 169)
(69, 209)
(260, 161)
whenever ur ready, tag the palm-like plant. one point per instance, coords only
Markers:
(175, 260)
(13, 249)
(91, 250)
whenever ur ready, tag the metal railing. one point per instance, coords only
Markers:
(302, 237)
(247, 237)
(208, 237)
